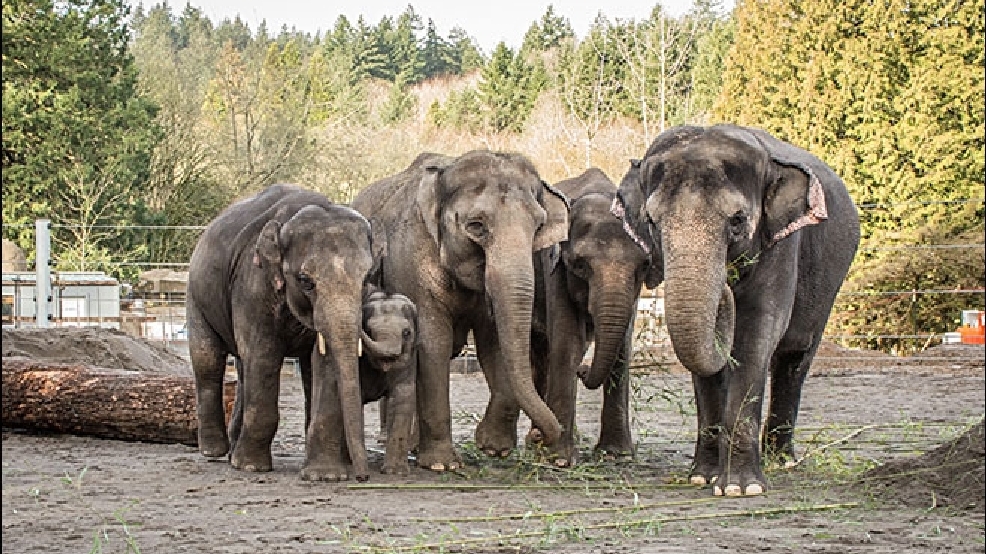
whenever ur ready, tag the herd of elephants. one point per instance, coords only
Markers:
(751, 236)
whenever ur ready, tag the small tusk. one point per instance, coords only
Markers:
(359, 347)
(321, 344)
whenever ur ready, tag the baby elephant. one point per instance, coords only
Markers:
(387, 368)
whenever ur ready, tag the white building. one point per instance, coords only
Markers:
(78, 299)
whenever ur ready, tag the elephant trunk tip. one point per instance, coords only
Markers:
(593, 379)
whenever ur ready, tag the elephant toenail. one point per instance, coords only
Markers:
(561, 462)
(437, 467)
(717, 491)
(734, 490)
(697, 480)
(754, 489)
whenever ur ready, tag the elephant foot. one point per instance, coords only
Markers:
(741, 483)
(213, 445)
(438, 458)
(393, 466)
(254, 462)
(561, 454)
(495, 440)
(325, 472)
(618, 450)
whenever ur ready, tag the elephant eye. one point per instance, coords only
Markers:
(476, 228)
(305, 282)
(406, 334)
(737, 223)
(581, 268)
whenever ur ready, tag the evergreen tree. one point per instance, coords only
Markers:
(77, 136)
(891, 94)
(550, 32)
(508, 89)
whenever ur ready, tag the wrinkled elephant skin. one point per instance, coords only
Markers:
(753, 237)
(456, 235)
(278, 275)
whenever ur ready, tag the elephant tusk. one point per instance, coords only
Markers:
(321, 344)
(359, 347)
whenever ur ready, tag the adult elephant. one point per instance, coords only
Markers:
(457, 236)
(754, 237)
(272, 276)
(590, 285)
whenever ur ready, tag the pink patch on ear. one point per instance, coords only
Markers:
(619, 210)
(256, 259)
(817, 211)
(278, 284)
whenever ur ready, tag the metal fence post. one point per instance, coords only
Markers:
(42, 262)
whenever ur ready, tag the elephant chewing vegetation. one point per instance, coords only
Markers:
(587, 291)
(752, 237)
(272, 276)
(456, 235)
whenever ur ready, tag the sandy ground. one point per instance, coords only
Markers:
(893, 463)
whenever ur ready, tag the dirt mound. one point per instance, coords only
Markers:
(950, 475)
(109, 348)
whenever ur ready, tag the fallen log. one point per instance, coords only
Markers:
(118, 404)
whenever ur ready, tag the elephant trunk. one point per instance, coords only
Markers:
(339, 340)
(380, 349)
(699, 304)
(511, 290)
(612, 311)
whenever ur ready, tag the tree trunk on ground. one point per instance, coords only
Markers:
(107, 403)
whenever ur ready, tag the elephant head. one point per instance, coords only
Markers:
(390, 330)
(318, 260)
(487, 212)
(705, 203)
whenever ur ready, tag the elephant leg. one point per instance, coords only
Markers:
(566, 347)
(236, 419)
(739, 438)
(496, 434)
(435, 450)
(788, 370)
(710, 397)
(382, 437)
(305, 363)
(260, 388)
(615, 438)
(327, 453)
(399, 419)
(208, 357)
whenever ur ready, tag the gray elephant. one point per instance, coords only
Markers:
(590, 285)
(456, 235)
(753, 238)
(280, 274)
(387, 370)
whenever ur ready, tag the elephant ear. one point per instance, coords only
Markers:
(795, 199)
(555, 228)
(429, 197)
(268, 253)
(628, 205)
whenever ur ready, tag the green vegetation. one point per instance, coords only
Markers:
(121, 126)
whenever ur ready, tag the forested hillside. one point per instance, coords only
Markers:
(131, 126)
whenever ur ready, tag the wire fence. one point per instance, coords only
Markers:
(157, 314)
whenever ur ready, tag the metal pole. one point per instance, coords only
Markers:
(42, 262)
